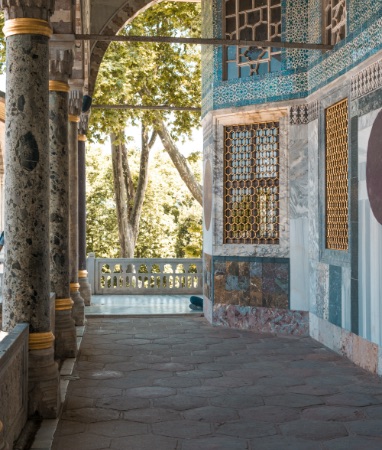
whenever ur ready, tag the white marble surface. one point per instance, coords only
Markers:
(138, 305)
(299, 264)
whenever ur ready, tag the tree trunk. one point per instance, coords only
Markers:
(120, 196)
(179, 161)
(129, 201)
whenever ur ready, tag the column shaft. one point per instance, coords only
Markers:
(65, 332)
(85, 290)
(26, 290)
(78, 307)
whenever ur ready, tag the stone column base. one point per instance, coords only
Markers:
(44, 384)
(85, 290)
(78, 310)
(65, 344)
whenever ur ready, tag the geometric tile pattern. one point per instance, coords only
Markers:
(337, 215)
(252, 20)
(301, 72)
(252, 184)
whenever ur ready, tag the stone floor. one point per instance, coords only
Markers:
(178, 383)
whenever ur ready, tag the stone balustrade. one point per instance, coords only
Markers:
(145, 276)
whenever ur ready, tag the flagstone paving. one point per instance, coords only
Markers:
(181, 384)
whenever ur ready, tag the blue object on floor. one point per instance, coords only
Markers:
(196, 303)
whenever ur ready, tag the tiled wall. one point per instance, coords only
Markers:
(251, 281)
(304, 72)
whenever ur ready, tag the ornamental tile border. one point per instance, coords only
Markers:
(367, 80)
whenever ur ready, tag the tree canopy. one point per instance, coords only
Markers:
(152, 73)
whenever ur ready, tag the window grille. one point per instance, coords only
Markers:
(251, 185)
(334, 20)
(337, 176)
(257, 20)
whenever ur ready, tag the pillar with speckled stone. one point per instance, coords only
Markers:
(60, 68)
(26, 290)
(75, 105)
(85, 289)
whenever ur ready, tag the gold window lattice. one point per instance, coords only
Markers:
(251, 184)
(334, 20)
(337, 176)
(257, 20)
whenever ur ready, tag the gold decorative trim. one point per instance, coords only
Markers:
(82, 137)
(27, 26)
(74, 287)
(64, 304)
(58, 86)
(2, 112)
(73, 118)
(40, 341)
(82, 273)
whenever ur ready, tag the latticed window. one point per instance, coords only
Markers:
(251, 185)
(337, 214)
(255, 20)
(334, 20)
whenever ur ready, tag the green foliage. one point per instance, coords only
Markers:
(2, 44)
(171, 219)
(102, 227)
(152, 73)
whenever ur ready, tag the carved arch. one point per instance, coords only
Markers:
(125, 13)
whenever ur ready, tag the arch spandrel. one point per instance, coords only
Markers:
(117, 13)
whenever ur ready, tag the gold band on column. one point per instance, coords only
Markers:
(82, 273)
(58, 86)
(82, 137)
(73, 118)
(74, 287)
(64, 304)
(26, 26)
(40, 341)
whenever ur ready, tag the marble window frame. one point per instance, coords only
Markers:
(329, 256)
(244, 118)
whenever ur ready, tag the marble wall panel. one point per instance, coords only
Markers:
(313, 190)
(346, 298)
(335, 294)
(322, 291)
(362, 352)
(262, 320)
(299, 264)
(251, 282)
(298, 171)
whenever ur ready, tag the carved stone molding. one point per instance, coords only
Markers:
(60, 64)
(35, 9)
(83, 124)
(303, 114)
(367, 80)
(75, 102)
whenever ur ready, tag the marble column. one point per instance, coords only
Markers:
(61, 62)
(75, 104)
(26, 290)
(85, 289)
